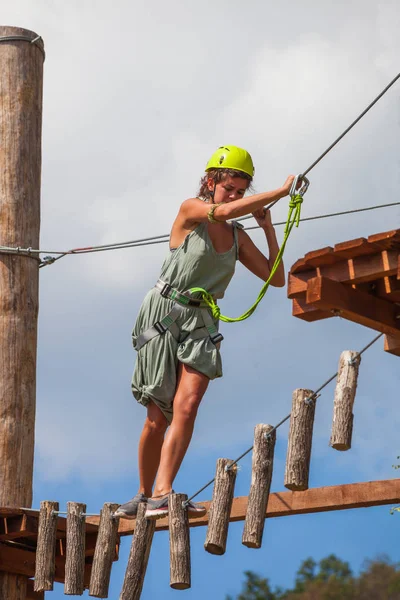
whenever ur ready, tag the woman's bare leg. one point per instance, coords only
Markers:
(150, 445)
(190, 390)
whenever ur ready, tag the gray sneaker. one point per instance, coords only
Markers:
(196, 510)
(158, 508)
(130, 508)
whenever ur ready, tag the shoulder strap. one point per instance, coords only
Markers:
(236, 225)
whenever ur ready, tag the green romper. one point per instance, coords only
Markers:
(195, 263)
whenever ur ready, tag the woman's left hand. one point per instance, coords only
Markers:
(263, 217)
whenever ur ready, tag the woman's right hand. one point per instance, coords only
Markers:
(287, 185)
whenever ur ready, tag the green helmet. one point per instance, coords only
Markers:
(231, 157)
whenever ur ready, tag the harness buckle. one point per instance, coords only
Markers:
(218, 337)
(165, 290)
(160, 327)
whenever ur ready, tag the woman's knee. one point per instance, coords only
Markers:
(156, 421)
(186, 407)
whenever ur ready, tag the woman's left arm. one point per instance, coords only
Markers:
(253, 259)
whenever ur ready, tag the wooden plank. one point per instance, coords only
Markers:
(321, 257)
(308, 313)
(358, 270)
(353, 248)
(314, 500)
(354, 305)
(392, 344)
(386, 240)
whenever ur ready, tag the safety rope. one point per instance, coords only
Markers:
(293, 218)
(308, 400)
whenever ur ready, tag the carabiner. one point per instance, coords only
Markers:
(305, 184)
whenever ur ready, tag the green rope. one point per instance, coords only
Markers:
(293, 218)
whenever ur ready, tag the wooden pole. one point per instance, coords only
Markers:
(138, 556)
(220, 509)
(345, 392)
(21, 82)
(46, 547)
(261, 476)
(300, 440)
(104, 551)
(75, 550)
(179, 543)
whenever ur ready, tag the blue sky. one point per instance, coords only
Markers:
(136, 97)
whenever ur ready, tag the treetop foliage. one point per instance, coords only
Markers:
(330, 579)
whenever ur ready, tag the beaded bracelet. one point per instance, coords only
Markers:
(210, 214)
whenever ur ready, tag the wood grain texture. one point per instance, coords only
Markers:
(46, 547)
(21, 82)
(138, 556)
(300, 441)
(75, 550)
(345, 393)
(179, 543)
(360, 307)
(261, 476)
(104, 552)
(220, 508)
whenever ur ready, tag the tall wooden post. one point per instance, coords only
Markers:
(21, 81)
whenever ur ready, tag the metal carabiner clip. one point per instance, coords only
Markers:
(305, 185)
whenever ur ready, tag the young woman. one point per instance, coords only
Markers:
(175, 334)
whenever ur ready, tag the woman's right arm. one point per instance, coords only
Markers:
(196, 211)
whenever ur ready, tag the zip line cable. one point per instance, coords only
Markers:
(346, 131)
(308, 400)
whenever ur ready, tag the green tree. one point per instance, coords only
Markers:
(330, 579)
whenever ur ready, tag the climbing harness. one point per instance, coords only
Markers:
(185, 300)
(296, 199)
(168, 323)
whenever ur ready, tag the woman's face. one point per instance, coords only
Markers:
(230, 188)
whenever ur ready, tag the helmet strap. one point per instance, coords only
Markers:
(212, 192)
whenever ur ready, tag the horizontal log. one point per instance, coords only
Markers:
(361, 269)
(360, 307)
(314, 500)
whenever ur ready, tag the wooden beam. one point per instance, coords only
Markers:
(22, 562)
(360, 307)
(31, 594)
(392, 344)
(308, 313)
(16, 527)
(360, 269)
(314, 500)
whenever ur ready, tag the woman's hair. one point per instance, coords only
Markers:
(218, 175)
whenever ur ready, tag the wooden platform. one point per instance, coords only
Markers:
(18, 538)
(283, 504)
(358, 280)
